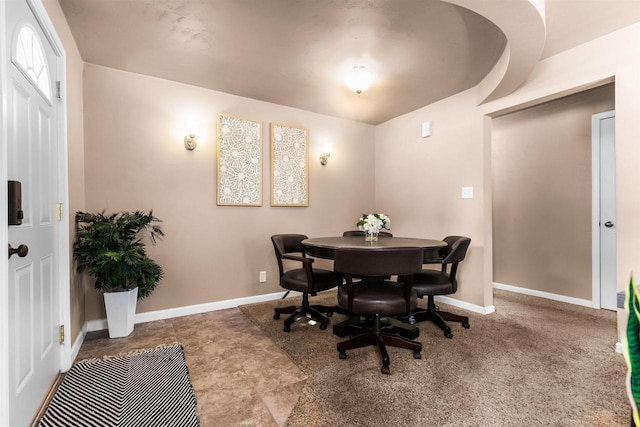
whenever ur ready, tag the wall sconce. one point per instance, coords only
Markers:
(324, 158)
(190, 141)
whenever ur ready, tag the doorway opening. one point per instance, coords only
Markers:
(542, 197)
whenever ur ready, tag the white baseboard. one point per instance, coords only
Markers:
(75, 348)
(466, 305)
(547, 295)
(100, 324)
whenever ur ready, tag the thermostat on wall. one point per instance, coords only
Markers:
(426, 129)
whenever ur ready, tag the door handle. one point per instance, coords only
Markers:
(22, 251)
(608, 224)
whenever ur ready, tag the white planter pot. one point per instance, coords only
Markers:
(121, 311)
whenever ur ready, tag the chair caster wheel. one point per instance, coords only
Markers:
(286, 328)
(276, 316)
(329, 313)
(417, 355)
(323, 326)
(342, 355)
(385, 370)
(448, 335)
(466, 325)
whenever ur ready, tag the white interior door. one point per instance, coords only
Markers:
(603, 134)
(32, 158)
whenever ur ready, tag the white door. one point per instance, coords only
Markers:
(603, 134)
(32, 158)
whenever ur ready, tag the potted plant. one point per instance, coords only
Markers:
(111, 249)
(631, 349)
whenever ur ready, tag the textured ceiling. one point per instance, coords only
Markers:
(296, 52)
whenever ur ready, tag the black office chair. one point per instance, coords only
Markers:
(361, 233)
(430, 283)
(307, 280)
(377, 296)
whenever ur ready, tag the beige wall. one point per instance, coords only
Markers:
(422, 177)
(75, 148)
(541, 162)
(608, 58)
(135, 159)
(418, 180)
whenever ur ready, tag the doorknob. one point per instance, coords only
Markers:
(22, 251)
(608, 224)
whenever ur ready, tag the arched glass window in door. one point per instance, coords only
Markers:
(29, 57)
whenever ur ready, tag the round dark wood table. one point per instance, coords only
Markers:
(325, 247)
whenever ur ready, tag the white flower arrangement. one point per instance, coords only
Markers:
(374, 222)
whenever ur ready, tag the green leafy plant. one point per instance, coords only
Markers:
(111, 249)
(631, 348)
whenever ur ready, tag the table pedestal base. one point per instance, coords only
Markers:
(354, 325)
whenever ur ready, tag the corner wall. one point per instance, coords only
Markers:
(135, 160)
(422, 178)
(418, 180)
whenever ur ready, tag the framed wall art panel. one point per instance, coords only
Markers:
(289, 165)
(239, 161)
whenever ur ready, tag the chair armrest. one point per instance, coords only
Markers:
(298, 258)
(306, 264)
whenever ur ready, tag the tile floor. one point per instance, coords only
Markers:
(239, 376)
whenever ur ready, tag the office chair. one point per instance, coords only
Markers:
(377, 296)
(430, 283)
(307, 280)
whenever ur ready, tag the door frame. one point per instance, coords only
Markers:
(595, 204)
(62, 244)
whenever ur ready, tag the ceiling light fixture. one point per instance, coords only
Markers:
(359, 79)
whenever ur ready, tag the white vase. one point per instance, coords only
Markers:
(121, 312)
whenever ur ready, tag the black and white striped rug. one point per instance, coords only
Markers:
(151, 388)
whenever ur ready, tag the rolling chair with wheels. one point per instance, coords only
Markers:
(430, 283)
(307, 280)
(376, 296)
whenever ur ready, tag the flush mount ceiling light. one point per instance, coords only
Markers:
(359, 79)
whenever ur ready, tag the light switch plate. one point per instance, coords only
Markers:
(263, 276)
(467, 192)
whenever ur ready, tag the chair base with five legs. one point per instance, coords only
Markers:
(432, 314)
(313, 312)
(377, 336)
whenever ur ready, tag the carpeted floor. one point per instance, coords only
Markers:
(534, 362)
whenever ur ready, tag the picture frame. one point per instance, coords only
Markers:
(289, 165)
(238, 161)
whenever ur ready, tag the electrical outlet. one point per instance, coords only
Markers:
(263, 276)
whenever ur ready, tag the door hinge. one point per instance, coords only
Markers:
(59, 211)
(58, 90)
(61, 334)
